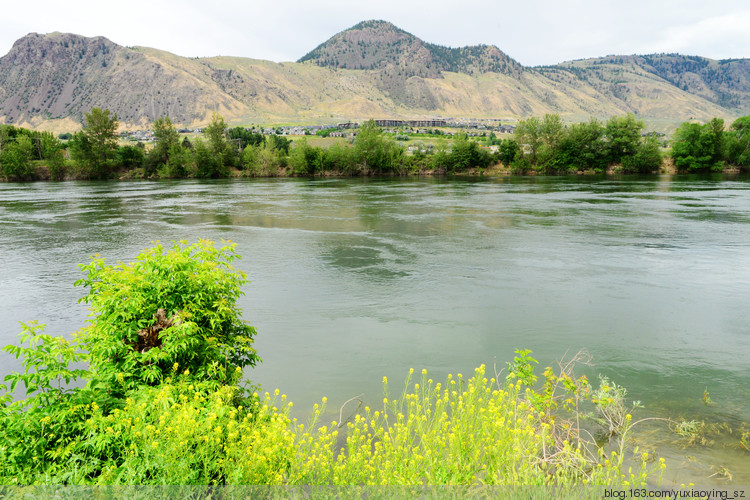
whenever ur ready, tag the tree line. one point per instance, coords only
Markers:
(540, 145)
(551, 147)
(709, 147)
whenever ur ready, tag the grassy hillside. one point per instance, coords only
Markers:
(373, 70)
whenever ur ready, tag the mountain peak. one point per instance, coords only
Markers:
(372, 44)
(376, 25)
(380, 45)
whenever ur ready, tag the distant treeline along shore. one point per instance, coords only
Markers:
(537, 146)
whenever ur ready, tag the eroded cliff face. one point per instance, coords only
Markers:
(63, 75)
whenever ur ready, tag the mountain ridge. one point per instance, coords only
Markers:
(373, 69)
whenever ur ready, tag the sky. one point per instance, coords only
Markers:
(534, 32)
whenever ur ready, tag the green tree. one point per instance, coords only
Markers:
(206, 163)
(56, 165)
(96, 145)
(339, 157)
(306, 160)
(509, 150)
(216, 134)
(130, 156)
(166, 142)
(466, 154)
(529, 135)
(440, 159)
(623, 135)
(241, 138)
(48, 145)
(646, 159)
(280, 143)
(583, 147)
(717, 137)
(375, 152)
(738, 143)
(697, 148)
(15, 158)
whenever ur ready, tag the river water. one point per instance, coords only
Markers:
(355, 279)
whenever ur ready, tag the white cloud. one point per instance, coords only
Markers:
(722, 36)
(532, 31)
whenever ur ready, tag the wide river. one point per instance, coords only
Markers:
(356, 279)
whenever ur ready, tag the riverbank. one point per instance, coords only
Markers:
(41, 172)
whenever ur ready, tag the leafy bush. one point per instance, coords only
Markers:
(15, 159)
(167, 307)
(167, 318)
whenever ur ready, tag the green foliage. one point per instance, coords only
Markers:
(325, 132)
(466, 154)
(178, 164)
(264, 160)
(206, 164)
(241, 138)
(583, 147)
(167, 141)
(463, 431)
(738, 143)
(140, 369)
(38, 429)
(647, 157)
(130, 157)
(339, 158)
(95, 147)
(509, 151)
(698, 147)
(15, 158)
(375, 152)
(306, 159)
(280, 143)
(56, 165)
(170, 157)
(623, 137)
(551, 147)
(45, 362)
(196, 287)
(220, 148)
(529, 133)
(522, 367)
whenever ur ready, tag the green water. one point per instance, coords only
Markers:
(356, 279)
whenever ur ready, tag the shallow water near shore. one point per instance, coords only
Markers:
(354, 279)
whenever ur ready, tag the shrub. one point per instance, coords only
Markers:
(167, 307)
(169, 319)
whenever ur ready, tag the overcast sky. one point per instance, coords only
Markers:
(534, 32)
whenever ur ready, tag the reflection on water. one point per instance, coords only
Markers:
(356, 279)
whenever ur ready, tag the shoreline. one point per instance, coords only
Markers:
(42, 174)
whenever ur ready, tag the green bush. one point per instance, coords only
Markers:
(182, 301)
(15, 159)
(169, 317)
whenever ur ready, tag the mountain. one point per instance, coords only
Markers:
(379, 45)
(725, 82)
(61, 76)
(373, 69)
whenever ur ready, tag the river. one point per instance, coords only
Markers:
(354, 279)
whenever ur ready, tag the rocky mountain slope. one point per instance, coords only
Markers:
(373, 69)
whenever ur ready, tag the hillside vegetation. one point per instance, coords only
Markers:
(372, 70)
